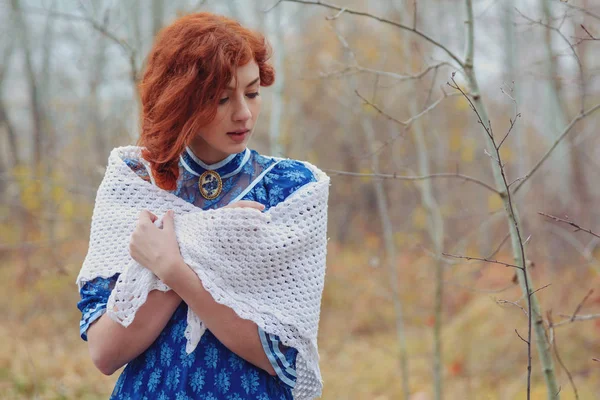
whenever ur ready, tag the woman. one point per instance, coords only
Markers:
(201, 100)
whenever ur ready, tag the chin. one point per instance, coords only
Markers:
(237, 148)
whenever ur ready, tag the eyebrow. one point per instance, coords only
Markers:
(250, 84)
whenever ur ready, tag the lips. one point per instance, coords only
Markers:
(239, 136)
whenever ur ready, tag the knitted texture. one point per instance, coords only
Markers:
(269, 267)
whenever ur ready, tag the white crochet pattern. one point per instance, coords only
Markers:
(269, 267)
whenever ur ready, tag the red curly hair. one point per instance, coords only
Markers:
(191, 63)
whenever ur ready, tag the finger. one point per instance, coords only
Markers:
(144, 218)
(247, 204)
(169, 221)
(146, 215)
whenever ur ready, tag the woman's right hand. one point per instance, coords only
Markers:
(246, 204)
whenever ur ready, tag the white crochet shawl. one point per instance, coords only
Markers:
(267, 266)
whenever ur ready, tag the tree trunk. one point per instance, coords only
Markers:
(158, 15)
(512, 215)
(390, 250)
(276, 33)
(555, 118)
(34, 96)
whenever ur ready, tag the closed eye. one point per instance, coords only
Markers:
(249, 95)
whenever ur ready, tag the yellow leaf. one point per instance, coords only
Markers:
(31, 196)
(419, 218)
(57, 193)
(494, 203)
(467, 153)
(67, 208)
(365, 179)
(369, 109)
(461, 104)
(312, 157)
(455, 141)
(401, 239)
(506, 154)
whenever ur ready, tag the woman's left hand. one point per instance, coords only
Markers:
(155, 248)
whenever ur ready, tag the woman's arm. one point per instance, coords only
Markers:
(111, 345)
(237, 334)
(158, 250)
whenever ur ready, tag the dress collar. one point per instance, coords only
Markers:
(225, 168)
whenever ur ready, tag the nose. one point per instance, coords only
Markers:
(242, 112)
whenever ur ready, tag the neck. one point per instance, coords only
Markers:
(206, 155)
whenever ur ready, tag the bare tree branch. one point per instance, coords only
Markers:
(571, 46)
(399, 77)
(570, 319)
(413, 178)
(581, 304)
(130, 51)
(588, 32)
(556, 142)
(483, 259)
(580, 9)
(499, 246)
(575, 318)
(411, 119)
(537, 290)
(380, 19)
(519, 335)
(406, 124)
(573, 224)
(505, 195)
(514, 303)
(512, 120)
(560, 361)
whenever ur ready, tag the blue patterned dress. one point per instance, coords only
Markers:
(211, 371)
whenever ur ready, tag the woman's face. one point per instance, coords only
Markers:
(233, 125)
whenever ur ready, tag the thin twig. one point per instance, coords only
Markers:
(130, 51)
(510, 211)
(514, 303)
(556, 142)
(413, 178)
(405, 124)
(588, 32)
(519, 335)
(577, 318)
(483, 259)
(558, 358)
(581, 9)
(512, 124)
(266, 10)
(399, 77)
(336, 16)
(34, 10)
(573, 224)
(581, 304)
(499, 246)
(537, 290)
(383, 20)
(571, 46)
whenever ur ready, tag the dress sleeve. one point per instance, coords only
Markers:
(139, 168)
(95, 293)
(94, 297)
(282, 358)
(283, 180)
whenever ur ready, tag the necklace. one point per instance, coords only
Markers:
(210, 185)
